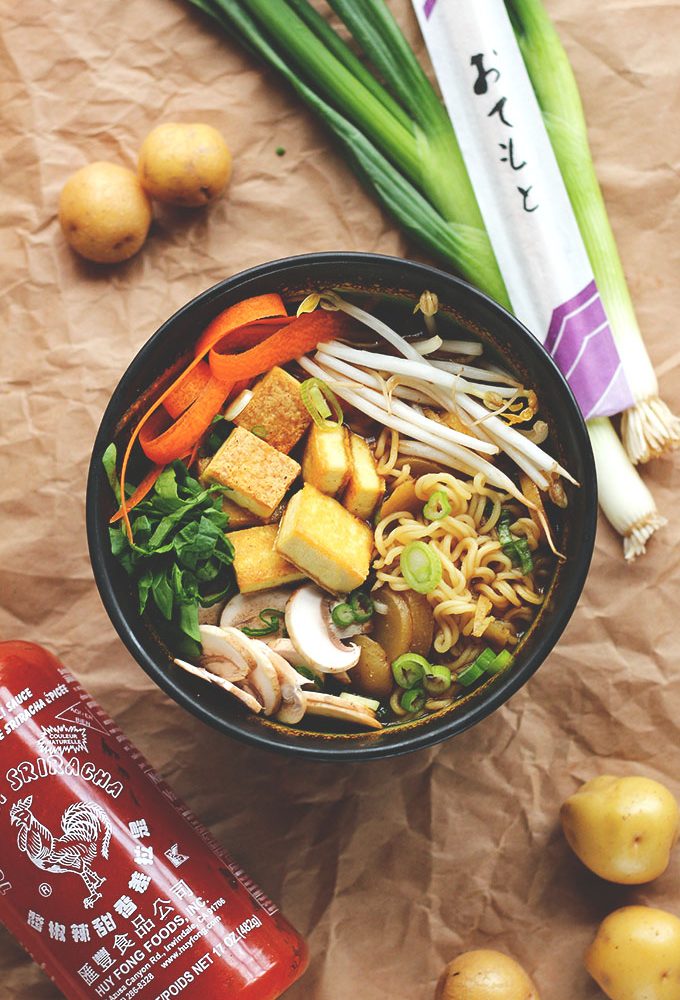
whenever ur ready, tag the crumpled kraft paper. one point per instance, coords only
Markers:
(392, 868)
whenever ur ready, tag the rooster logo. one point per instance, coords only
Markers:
(86, 834)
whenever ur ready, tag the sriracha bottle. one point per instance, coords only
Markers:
(108, 881)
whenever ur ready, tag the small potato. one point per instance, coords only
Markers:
(104, 212)
(623, 829)
(184, 164)
(373, 673)
(636, 955)
(486, 975)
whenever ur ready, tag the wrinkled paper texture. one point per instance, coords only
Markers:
(391, 868)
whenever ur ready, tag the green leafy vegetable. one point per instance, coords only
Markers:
(400, 140)
(180, 557)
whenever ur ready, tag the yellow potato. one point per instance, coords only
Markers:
(636, 955)
(184, 164)
(486, 975)
(623, 829)
(104, 212)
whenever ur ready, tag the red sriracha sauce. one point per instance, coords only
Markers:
(106, 879)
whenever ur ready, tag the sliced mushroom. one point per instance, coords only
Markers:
(244, 609)
(293, 698)
(332, 706)
(248, 700)
(262, 678)
(211, 615)
(308, 628)
(222, 657)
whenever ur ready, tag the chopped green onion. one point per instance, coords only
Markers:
(260, 431)
(321, 403)
(342, 615)
(409, 669)
(485, 658)
(412, 700)
(280, 151)
(360, 702)
(272, 622)
(470, 674)
(437, 679)
(502, 661)
(362, 606)
(437, 507)
(421, 567)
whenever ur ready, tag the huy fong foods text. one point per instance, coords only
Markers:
(109, 882)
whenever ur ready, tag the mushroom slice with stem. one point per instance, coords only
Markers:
(263, 678)
(310, 632)
(248, 700)
(293, 698)
(244, 610)
(332, 706)
(223, 657)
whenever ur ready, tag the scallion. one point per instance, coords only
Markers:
(321, 403)
(648, 428)
(342, 615)
(468, 675)
(421, 567)
(437, 679)
(413, 700)
(485, 659)
(409, 669)
(437, 507)
(362, 606)
(500, 662)
(272, 619)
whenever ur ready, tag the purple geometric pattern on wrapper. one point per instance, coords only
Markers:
(582, 345)
(428, 7)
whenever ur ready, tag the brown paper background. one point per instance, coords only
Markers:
(390, 868)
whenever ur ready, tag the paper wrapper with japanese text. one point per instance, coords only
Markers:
(389, 869)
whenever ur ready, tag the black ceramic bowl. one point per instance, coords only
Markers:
(384, 283)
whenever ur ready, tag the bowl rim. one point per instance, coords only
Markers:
(468, 714)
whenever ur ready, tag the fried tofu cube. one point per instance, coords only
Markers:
(365, 486)
(239, 517)
(257, 474)
(325, 541)
(257, 564)
(326, 462)
(277, 408)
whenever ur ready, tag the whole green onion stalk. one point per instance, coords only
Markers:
(648, 428)
(399, 139)
(405, 149)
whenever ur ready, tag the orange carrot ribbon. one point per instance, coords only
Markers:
(297, 337)
(257, 307)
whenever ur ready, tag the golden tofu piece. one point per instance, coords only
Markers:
(239, 517)
(365, 486)
(326, 461)
(257, 474)
(325, 541)
(277, 408)
(257, 564)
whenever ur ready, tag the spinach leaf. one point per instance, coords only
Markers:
(179, 556)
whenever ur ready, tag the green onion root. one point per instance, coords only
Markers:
(625, 500)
